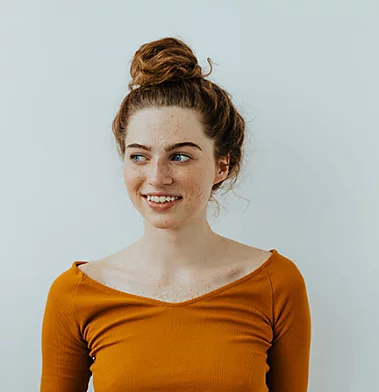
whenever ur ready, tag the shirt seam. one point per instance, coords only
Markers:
(272, 298)
(73, 303)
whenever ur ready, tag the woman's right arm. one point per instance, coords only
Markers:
(65, 355)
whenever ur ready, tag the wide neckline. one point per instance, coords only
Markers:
(154, 301)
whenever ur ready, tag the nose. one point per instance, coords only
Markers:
(159, 173)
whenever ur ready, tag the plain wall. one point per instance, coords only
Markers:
(305, 77)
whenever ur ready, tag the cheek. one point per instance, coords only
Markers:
(127, 177)
(197, 183)
(131, 178)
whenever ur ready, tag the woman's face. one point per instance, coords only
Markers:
(188, 171)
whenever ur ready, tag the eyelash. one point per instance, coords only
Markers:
(139, 155)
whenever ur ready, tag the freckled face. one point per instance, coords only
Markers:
(186, 171)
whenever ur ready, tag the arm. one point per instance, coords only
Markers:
(288, 357)
(65, 356)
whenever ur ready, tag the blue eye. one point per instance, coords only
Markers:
(177, 154)
(183, 155)
(135, 155)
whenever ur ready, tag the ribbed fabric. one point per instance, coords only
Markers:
(251, 335)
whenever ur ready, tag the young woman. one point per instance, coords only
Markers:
(183, 308)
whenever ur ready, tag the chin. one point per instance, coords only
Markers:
(164, 223)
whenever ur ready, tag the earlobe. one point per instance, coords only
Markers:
(220, 177)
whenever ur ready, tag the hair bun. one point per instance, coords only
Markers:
(166, 59)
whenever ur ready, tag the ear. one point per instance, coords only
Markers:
(222, 169)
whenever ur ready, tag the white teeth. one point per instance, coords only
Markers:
(161, 199)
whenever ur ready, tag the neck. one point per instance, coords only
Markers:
(167, 252)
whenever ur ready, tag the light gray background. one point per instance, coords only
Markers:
(305, 76)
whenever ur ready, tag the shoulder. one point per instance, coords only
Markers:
(286, 268)
(285, 276)
(243, 253)
(92, 269)
(66, 283)
(62, 290)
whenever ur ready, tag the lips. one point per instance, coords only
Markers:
(161, 207)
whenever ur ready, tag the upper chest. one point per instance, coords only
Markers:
(183, 287)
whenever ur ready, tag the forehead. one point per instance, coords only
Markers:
(164, 123)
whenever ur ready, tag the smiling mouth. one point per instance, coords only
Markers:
(162, 206)
(179, 197)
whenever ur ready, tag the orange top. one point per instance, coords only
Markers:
(250, 335)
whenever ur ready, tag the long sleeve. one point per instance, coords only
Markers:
(65, 356)
(289, 355)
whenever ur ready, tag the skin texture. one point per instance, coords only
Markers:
(179, 256)
(167, 246)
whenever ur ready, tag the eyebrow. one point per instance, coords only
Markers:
(170, 147)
